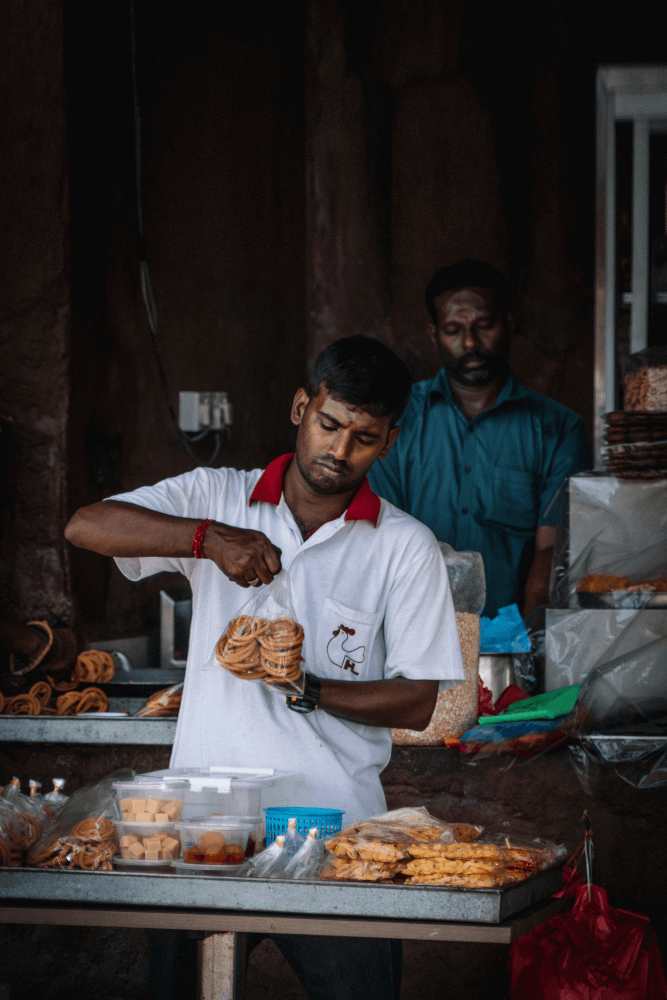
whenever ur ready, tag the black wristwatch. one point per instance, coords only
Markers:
(306, 702)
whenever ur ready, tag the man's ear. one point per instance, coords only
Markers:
(299, 405)
(391, 437)
(432, 333)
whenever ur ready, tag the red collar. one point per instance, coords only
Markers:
(364, 505)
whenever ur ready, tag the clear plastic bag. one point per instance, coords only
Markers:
(293, 839)
(264, 641)
(163, 703)
(83, 834)
(307, 861)
(467, 579)
(645, 381)
(22, 821)
(56, 799)
(271, 863)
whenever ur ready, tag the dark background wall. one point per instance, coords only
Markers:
(306, 168)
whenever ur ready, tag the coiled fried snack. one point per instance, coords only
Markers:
(256, 648)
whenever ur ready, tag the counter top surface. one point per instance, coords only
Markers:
(276, 896)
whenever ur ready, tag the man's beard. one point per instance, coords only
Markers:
(491, 369)
(325, 487)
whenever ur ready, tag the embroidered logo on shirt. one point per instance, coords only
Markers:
(339, 652)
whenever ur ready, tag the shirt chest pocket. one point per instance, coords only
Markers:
(510, 497)
(344, 641)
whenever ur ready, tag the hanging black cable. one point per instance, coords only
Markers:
(144, 273)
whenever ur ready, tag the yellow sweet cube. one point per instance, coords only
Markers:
(126, 805)
(136, 851)
(161, 818)
(138, 805)
(151, 844)
(152, 805)
(170, 848)
(173, 809)
(128, 839)
(152, 856)
(145, 817)
(161, 835)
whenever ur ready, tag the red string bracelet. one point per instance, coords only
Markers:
(198, 541)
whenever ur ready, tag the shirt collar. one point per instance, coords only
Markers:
(512, 389)
(364, 505)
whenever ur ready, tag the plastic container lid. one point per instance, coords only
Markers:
(543, 706)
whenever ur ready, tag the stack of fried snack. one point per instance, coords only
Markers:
(22, 822)
(636, 445)
(433, 853)
(36, 701)
(90, 845)
(165, 702)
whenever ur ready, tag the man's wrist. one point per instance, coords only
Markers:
(309, 700)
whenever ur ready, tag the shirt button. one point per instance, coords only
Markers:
(467, 468)
(464, 510)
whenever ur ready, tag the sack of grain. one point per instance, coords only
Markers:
(455, 710)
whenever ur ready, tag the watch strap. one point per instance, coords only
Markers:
(306, 702)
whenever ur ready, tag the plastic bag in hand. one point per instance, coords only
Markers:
(264, 641)
(307, 861)
(271, 863)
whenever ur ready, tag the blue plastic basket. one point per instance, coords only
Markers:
(327, 821)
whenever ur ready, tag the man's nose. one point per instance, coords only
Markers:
(469, 339)
(340, 447)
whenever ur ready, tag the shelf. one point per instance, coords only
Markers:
(69, 729)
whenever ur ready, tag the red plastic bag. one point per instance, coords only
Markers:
(594, 952)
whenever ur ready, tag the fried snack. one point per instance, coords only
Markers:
(62, 684)
(164, 702)
(4, 853)
(465, 833)
(92, 700)
(42, 691)
(601, 583)
(96, 828)
(67, 704)
(459, 881)
(22, 704)
(90, 846)
(464, 851)
(30, 828)
(367, 850)
(359, 871)
(255, 648)
(94, 666)
(444, 866)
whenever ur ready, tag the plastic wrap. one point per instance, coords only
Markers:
(622, 720)
(271, 863)
(166, 702)
(264, 641)
(307, 861)
(614, 528)
(293, 839)
(467, 579)
(56, 799)
(645, 381)
(22, 823)
(82, 834)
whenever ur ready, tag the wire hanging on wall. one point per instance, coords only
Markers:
(145, 278)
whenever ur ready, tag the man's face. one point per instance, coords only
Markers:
(336, 442)
(470, 336)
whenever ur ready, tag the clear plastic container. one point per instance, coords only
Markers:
(232, 791)
(147, 842)
(214, 841)
(151, 802)
(255, 837)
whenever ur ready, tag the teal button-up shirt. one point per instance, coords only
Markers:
(484, 484)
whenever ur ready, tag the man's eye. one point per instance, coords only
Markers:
(367, 442)
(325, 427)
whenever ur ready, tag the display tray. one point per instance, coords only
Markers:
(190, 868)
(209, 891)
(622, 599)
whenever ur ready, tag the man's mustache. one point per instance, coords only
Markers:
(335, 464)
(474, 356)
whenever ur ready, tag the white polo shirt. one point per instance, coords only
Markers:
(370, 589)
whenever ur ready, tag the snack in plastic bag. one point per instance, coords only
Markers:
(35, 793)
(22, 820)
(646, 381)
(271, 863)
(56, 799)
(358, 871)
(308, 859)
(467, 579)
(164, 702)
(264, 641)
(82, 834)
(293, 839)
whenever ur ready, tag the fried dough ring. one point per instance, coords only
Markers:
(92, 700)
(255, 648)
(95, 666)
(22, 704)
(96, 828)
(67, 703)
(42, 691)
(4, 853)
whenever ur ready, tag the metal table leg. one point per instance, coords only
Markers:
(221, 967)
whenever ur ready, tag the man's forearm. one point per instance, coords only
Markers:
(124, 529)
(536, 594)
(397, 703)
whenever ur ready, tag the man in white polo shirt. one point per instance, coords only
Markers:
(368, 583)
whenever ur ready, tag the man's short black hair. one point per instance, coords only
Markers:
(364, 372)
(467, 273)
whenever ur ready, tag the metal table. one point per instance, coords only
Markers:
(223, 910)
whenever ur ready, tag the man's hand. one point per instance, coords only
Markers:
(245, 556)
(125, 530)
(536, 594)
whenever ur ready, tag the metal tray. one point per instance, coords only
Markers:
(414, 902)
(621, 599)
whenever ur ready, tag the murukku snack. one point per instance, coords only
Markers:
(67, 704)
(94, 666)
(255, 648)
(42, 691)
(92, 700)
(164, 702)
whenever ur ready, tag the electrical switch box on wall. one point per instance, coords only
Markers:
(204, 411)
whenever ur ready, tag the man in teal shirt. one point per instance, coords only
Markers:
(480, 457)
